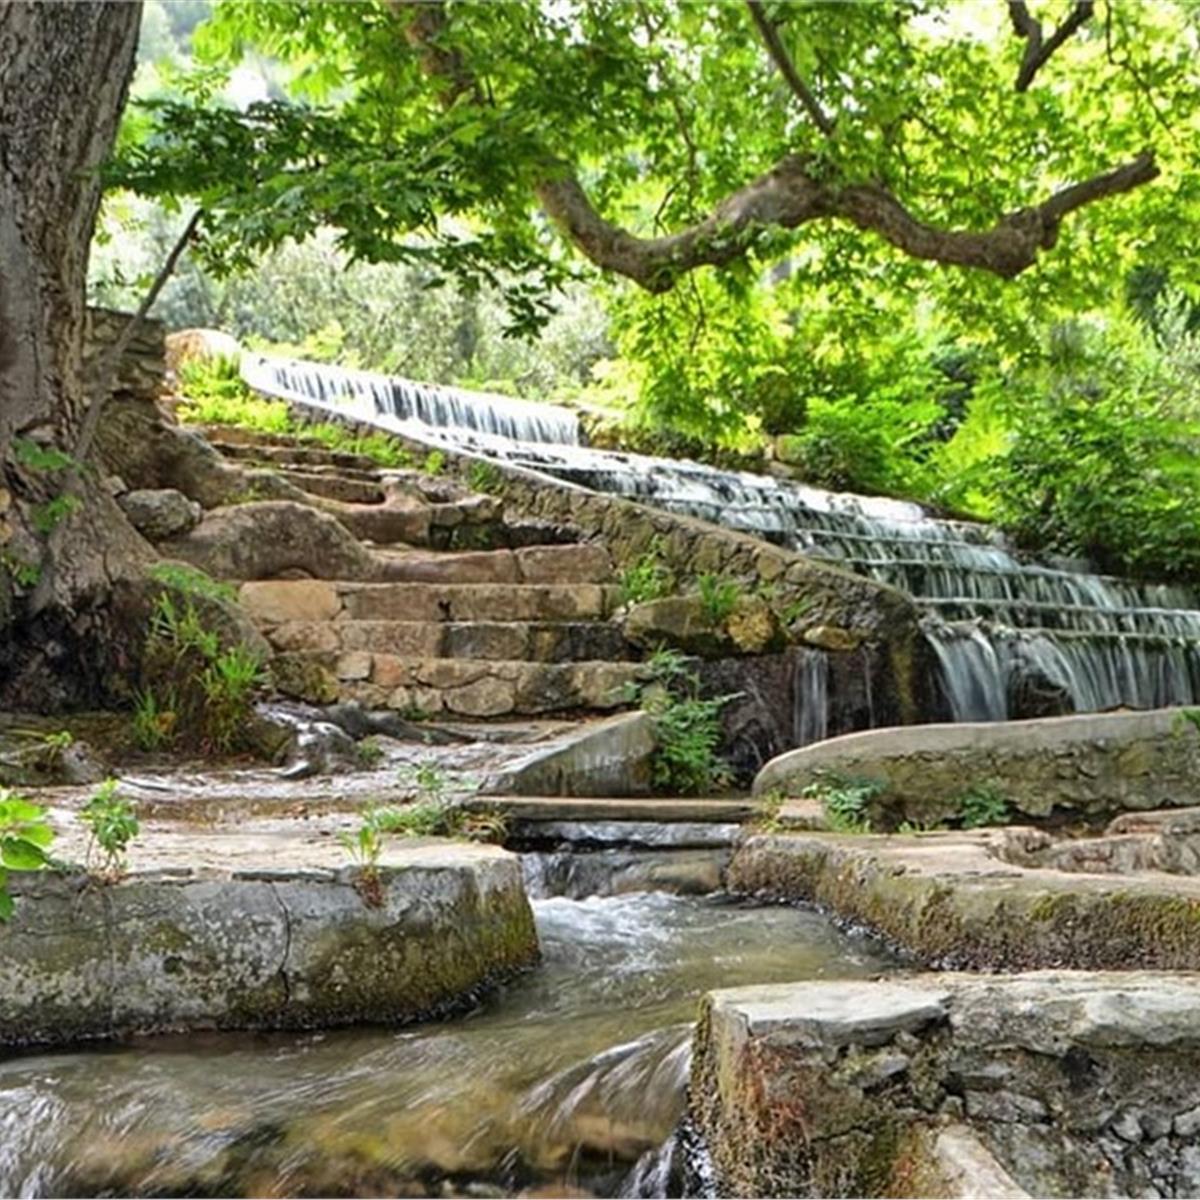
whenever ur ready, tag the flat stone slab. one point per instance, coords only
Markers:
(1049, 1083)
(261, 926)
(830, 1014)
(951, 899)
(562, 808)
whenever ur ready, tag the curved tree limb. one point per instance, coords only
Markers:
(788, 196)
(1038, 49)
(779, 55)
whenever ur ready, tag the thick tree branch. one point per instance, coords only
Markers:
(779, 55)
(788, 196)
(1037, 48)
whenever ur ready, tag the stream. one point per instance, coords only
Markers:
(565, 1082)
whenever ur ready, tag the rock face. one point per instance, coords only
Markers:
(1049, 1084)
(260, 540)
(683, 623)
(278, 946)
(773, 706)
(1090, 765)
(160, 513)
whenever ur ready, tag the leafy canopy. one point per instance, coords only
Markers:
(444, 134)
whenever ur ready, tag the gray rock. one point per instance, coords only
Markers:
(264, 539)
(835, 1015)
(1127, 1127)
(1187, 1124)
(601, 758)
(160, 513)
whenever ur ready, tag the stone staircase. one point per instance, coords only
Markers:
(383, 507)
(520, 628)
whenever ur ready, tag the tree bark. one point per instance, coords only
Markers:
(63, 85)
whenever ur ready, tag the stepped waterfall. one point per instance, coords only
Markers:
(1009, 632)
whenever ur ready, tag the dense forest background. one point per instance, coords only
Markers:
(1063, 404)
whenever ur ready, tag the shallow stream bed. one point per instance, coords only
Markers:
(555, 1085)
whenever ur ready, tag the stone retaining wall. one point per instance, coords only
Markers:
(141, 368)
(1066, 767)
(1050, 1084)
(283, 946)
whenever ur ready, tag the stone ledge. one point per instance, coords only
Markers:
(949, 899)
(1052, 1083)
(283, 939)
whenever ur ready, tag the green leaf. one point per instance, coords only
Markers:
(17, 854)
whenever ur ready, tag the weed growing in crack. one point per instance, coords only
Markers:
(112, 824)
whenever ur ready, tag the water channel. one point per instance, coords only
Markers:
(565, 1082)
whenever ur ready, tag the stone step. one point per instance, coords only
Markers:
(274, 601)
(530, 641)
(429, 687)
(559, 808)
(298, 454)
(573, 564)
(335, 485)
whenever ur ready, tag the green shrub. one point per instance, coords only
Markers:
(214, 394)
(25, 838)
(484, 476)
(687, 727)
(196, 691)
(191, 581)
(112, 824)
(983, 804)
(153, 720)
(846, 801)
(647, 577)
(229, 681)
(719, 596)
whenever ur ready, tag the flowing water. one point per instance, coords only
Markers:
(999, 623)
(567, 1082)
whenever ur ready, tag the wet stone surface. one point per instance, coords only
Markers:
(557, 1084)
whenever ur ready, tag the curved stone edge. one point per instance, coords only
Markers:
(1047, 1083)
(1092, 764)
(269, 949)
(949, 901)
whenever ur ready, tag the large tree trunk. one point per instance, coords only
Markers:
(64, 77)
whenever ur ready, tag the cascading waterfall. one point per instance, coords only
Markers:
(366, 394)
(999, 624)
(1003, 628)
(811, 697)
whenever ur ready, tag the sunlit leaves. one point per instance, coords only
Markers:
(25, 837)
